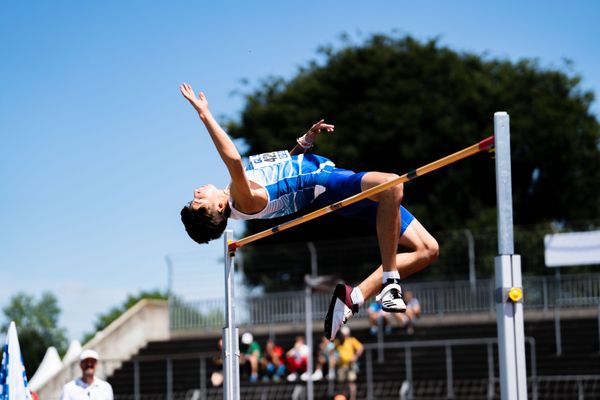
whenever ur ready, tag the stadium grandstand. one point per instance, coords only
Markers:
(167, 350)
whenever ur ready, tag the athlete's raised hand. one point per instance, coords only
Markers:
(306, 141)
(314, 130)
(200, 103)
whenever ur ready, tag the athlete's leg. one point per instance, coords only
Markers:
(346, 300)
(388, 216)
(388, 221)
(424, 250)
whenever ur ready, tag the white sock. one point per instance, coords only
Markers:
(357, 296)
(390, 275)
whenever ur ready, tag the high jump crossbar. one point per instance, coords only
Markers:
(485, 144)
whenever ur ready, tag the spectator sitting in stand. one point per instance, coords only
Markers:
(326, 357)
(297, 360)
(251, 355)
(216, 378)
(349, 350)
(379, 317)
(413, 311)
(272, 361)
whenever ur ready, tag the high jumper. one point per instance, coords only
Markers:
(282, 183)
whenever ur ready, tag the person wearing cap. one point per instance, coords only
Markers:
(87, 386)
(251, 356)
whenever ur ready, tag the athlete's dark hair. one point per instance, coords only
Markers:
(203, 225)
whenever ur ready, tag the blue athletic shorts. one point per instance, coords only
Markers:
(342, 184)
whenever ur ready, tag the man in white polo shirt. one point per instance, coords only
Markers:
(88, 386)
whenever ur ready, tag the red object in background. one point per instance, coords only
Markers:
(278, 351)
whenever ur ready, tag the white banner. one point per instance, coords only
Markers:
(570, 249)
(13, 379)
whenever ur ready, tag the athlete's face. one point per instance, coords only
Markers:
(207, 196)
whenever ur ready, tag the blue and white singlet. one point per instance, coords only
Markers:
(291, 182)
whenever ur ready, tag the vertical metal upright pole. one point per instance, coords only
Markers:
(169, 373)
(310, 389)
(491, 388)
(380, 344)
(471, 248)
(409, 371)
(169, 275)
(314, 264)
(598, 327)
(309, 342)
(369, 375)
(136, 380)
(557, 304)
(509, 314)
(170, 290)
(203, 378)
(533, 368)
(231, 353)
(449, 373)
(557, 333)
(545, 294)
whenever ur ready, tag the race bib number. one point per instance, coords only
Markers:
(266, 159)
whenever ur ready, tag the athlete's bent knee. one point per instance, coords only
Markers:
(428, 251)
(396, 192)
(432, 250)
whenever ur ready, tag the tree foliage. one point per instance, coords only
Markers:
(398, 103)
(37, 326)
(105, 319)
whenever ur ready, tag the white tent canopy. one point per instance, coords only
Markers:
(49, 366)
(72, 353)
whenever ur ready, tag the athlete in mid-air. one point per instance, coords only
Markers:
(281, 183)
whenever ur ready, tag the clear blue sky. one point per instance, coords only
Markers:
(99, 151)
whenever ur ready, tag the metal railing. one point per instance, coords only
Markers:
(380, 387)
(406, 386)
(441, 298)
(581, 387)
(374, 382)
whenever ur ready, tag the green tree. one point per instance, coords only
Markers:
(105, 319)
(37, 326)
(398, 103)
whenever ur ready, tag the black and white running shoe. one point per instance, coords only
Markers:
(340, 310)
(391, 297)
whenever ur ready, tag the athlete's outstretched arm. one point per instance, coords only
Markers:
(306, 141)
(225, 146)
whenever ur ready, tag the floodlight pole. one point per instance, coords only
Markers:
(231, 352)
(509, 306)
(308, 291)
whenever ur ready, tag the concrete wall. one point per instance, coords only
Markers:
(147, 321)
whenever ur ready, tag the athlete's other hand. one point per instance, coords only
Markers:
(200, 103)
(314, 130)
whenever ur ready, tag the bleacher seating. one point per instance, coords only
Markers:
(580, 345)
